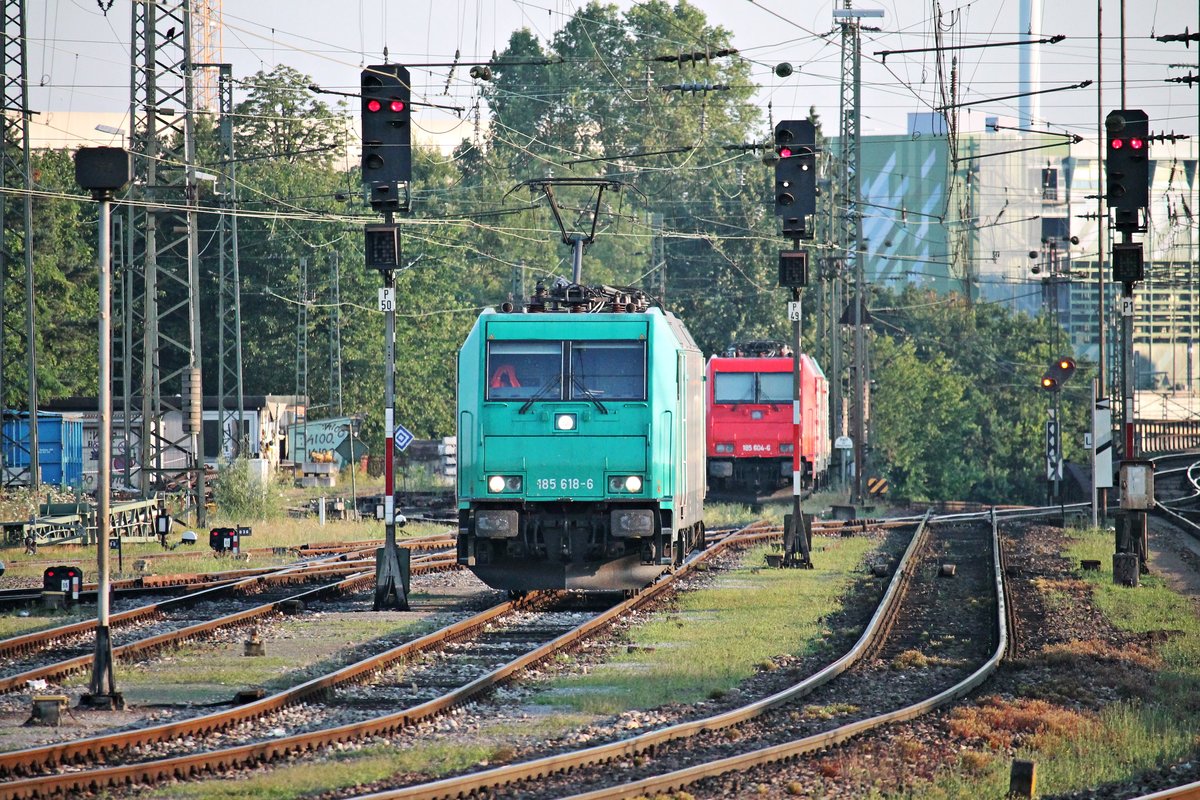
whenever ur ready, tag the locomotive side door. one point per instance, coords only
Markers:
(690, 386)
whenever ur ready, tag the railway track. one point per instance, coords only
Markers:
(27, 773)
(256, 584)
(703, 744)
(186, 582)
(362, 575)
(337, 564)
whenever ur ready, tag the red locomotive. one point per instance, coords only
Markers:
(752, 435)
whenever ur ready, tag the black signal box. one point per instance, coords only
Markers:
(383, 246)
(103, 169)
(1128, 265)
(793, 268)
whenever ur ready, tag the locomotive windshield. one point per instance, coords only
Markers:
(583, 370)
(753, 387)
(775, 387)
(523, 370)
(608, 370)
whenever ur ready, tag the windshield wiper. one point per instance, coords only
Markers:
(541, 393)
(588, 394)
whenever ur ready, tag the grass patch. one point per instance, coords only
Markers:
(337, 771)
(686, 654)
(271, 533)
(296, 648)
(12, 625)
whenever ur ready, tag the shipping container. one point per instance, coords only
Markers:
(60, 448)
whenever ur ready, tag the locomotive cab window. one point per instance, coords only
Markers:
(524, 370)
(775, 387)
(608, 371)
(753, 387)
(734, 387)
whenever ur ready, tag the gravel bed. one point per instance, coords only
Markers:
(891, 761)
(454, 595)
(401, 686)
(83, 642)
(513, 706)
(892, 679)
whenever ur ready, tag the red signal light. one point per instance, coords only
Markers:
(1117, 144)
(374, 105)
(785, 152)
(397, 105)
(49, 573)
(1136, 144)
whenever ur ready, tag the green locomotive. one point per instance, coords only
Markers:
(580, 442)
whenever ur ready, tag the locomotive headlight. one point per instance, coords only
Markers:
(625, 483)
(756, 415)
(786, 448)
(564, 422)
(724, 448)
(504, 483)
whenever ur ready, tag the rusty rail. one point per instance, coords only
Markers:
(60, 669)
(678, 779)
(26, 762)
(37, 639)
(497, 777)
(1189, 791)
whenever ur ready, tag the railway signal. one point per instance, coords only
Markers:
(387, 173)
(1127, 168)
(386, 135)
(1059, 372)
(796, 176)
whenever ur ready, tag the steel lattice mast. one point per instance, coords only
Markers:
(163, 233)
(207, 49)
(230, 398)
(16, 173)
(849, 226)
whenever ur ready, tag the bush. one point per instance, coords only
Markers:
(240, 496)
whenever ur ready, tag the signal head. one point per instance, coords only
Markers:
(1049, 383)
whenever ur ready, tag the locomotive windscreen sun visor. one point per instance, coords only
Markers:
(632, 522)
(496, 524)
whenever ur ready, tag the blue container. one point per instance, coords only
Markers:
(60, 446)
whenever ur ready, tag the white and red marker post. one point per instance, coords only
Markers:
(390, 585)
